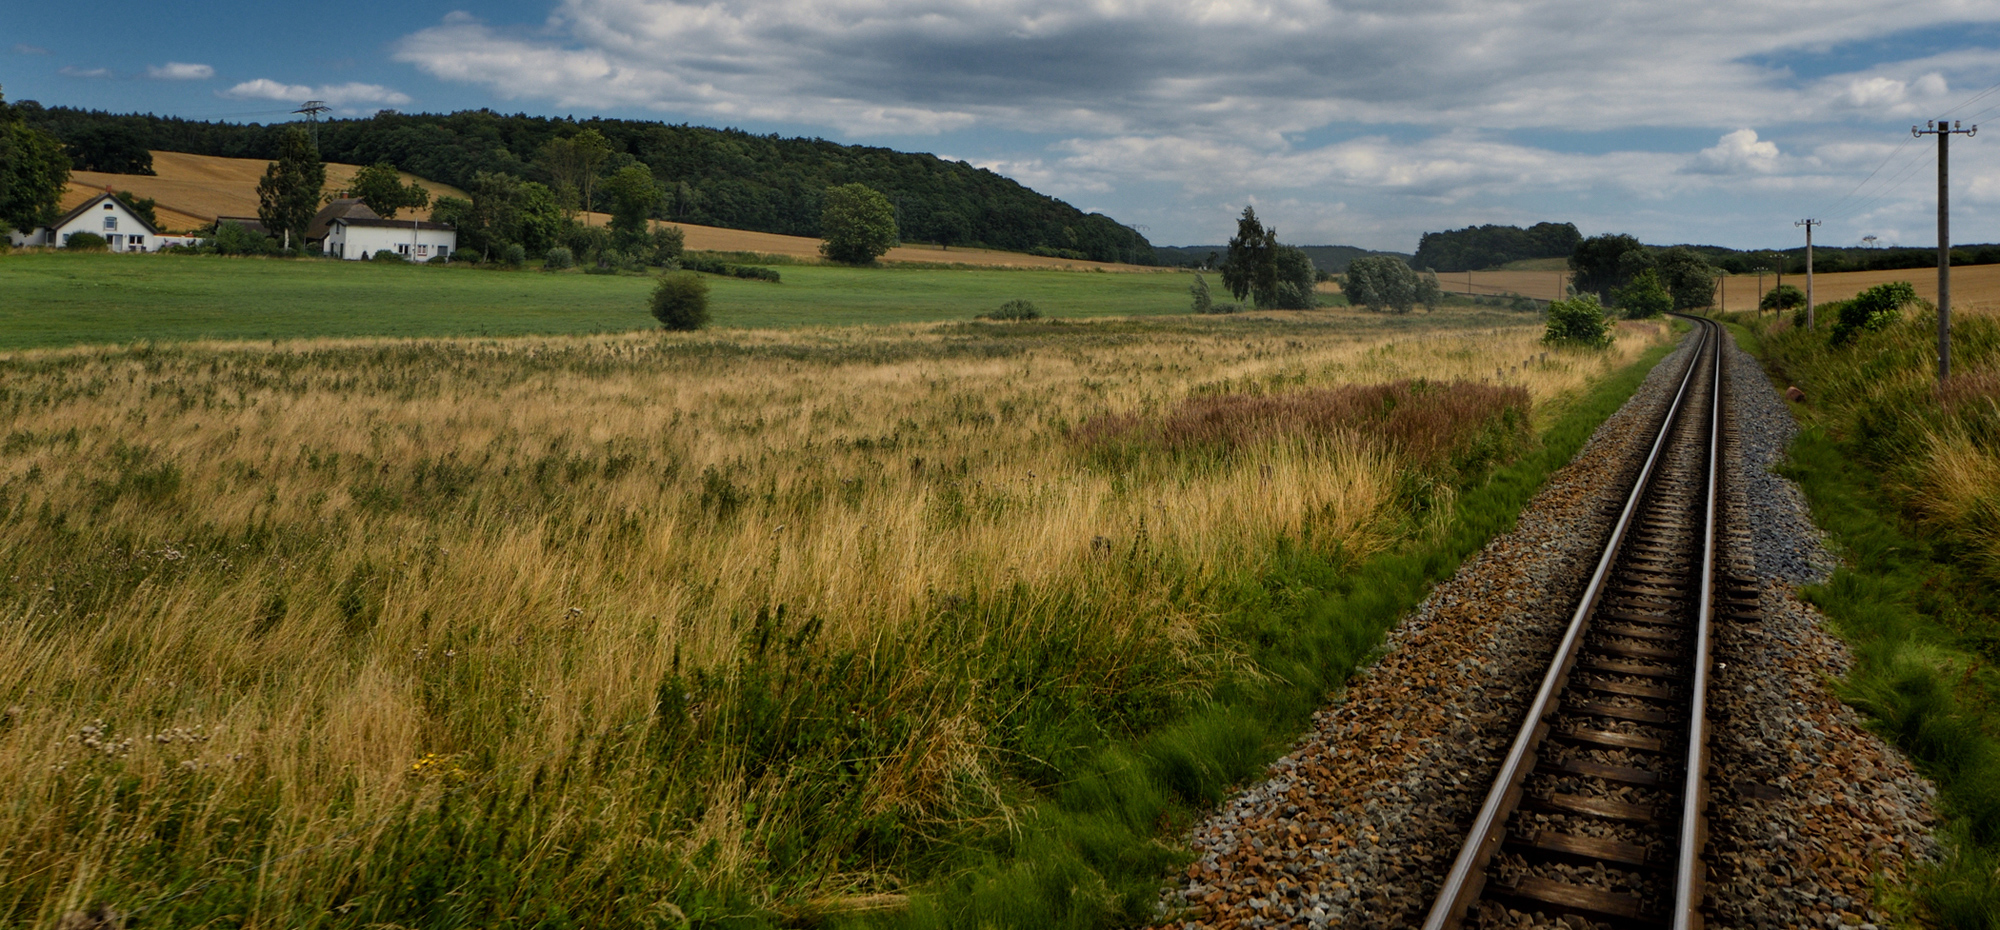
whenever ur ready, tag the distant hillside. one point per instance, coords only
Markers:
(714, 177)
(1332, 259)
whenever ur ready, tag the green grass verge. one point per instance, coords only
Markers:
(57, 299)
(1095, 851)
(1923, 628)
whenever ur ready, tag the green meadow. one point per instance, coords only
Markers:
(55, 299)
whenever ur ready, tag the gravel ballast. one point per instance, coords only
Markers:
(1356, 826)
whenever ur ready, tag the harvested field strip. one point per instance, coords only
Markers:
(193, 190)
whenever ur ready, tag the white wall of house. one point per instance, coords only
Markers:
(354, 243)
(121, 229)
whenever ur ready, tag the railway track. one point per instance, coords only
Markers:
(1597, 811)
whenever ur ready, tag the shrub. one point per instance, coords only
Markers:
(1781, 298)
(515, 255)
(1381, 282)
(238, 239)
(558, 258)
(1013, 310)
(437, 260)
(1871, 310)
(388, 255)
(711, 265)
(680, 301)
(667, 243)
(1645, 297)
(84, 242)
(1578, 321)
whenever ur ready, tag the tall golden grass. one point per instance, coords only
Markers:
(265, 605)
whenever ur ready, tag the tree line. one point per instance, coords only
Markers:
(1477, 247)
(711, 177)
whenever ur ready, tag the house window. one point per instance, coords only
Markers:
(404, 248)
(444, 250)
(110, 223)
(423, 250)
(138, 242)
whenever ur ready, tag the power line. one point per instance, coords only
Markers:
(312, 109)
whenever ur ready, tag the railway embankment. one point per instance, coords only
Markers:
(1358, 824)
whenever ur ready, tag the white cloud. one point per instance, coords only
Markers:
(1165, 107)
(76, 72)
(180, 71)
(352, 94)
(1738, 152)
(23, 48)
(1117, 66)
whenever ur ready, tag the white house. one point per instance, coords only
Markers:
(105, 215)
(355, 236)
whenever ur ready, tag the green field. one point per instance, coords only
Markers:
(55, 299)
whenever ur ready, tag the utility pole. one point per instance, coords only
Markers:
(1808, 224)
(1944, 130)
(312, 109)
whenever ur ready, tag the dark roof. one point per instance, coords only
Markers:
(346, 207)
(250, 223)
(94, 201)
(391, 224)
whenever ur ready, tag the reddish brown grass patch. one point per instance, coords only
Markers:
(1424, 423)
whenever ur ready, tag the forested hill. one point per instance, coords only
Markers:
(713, 177)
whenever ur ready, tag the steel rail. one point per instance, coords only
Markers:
(1688, 871)
(1465, 881)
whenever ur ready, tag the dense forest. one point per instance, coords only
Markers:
(1479, 247)
(1835, 258)
(713, 177)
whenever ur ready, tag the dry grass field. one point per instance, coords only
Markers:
(1974, 288)
(193, 190)
(619, 630)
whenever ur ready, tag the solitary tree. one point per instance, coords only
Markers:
(633, 194)
(949, 228)
(857, 224)
(33, 173)
(288, 195)
(381, 187)
(1252, 264)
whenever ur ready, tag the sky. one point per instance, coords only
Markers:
(1353, 122)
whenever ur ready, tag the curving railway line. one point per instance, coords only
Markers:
(1598, 808)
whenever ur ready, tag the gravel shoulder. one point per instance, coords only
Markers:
(1357, 824)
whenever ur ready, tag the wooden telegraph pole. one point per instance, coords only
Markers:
(1944, 130)
(1808, 224)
